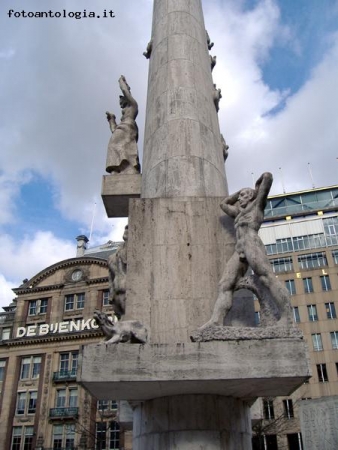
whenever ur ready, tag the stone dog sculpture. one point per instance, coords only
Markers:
(247, 208)
(131, 331)
(117, 274)
(122, 153)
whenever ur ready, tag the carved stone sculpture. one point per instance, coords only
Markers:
(131, 331)
(217, 95)
(247, 208)
(212, 62)
(122, 153)
(209, 43)
(147, 53)
(117, 273)
(225, 148)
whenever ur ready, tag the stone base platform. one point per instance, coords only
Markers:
(221, 333)
(117, 189)
(242, 369)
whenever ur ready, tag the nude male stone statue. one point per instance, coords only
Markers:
(247, 208)
(122, 155)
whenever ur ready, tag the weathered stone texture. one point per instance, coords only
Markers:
(319, 423)
(181, 90)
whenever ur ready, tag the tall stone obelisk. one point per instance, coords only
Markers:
(186, 395)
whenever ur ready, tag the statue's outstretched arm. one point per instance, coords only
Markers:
(262, 187)
(125, 88)
(112, 121)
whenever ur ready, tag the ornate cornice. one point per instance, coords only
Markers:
(30, 285)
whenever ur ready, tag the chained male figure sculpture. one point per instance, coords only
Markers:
(247, 208)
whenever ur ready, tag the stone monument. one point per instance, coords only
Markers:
(187, 395)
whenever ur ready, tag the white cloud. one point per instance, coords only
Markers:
(24, 259)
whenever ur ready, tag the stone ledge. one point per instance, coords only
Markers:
(243, 369)
(219, 333)
(116, 191)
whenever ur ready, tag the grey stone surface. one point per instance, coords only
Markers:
(319, 423)
(223, 333)
(117, 275)
(181, 89)
(247, 208)
(122, 155)
(131, 331)
(116, 192)
(189, 422)
(125, 415)
(177, 250)
(243, 369)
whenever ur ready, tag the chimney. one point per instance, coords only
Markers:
(82, 241)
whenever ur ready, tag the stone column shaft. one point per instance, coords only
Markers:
(182, 155)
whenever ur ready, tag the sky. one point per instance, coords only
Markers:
(277, 66)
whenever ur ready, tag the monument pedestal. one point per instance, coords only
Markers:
(191, 422)
(116, 191)
(193, 395)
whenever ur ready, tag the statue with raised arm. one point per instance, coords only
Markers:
(122, 156)
(247, 208)
(117, 274)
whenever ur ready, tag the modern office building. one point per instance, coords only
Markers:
(300, 234)
(41, 404)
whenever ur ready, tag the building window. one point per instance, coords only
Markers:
(63, 437)
(331, 230)
(101, 435)
(312, 311)
(334, 339)
(288, 408)
(107, 433)
(6, 334)
(295, 441)
(281, 265)
(335, 256)
(68, 363)
(114, 441)
(105, 298)
(296, 316)
(322, 373)
(268, 409)
(66, 398)
(308, 286)
(312, 260)
(30, 367)
(22, 438)
(330, 310)
(257, 318)
(105, 405)
(326, 284)
(74, 301)
(26, 402)
(37, 306)
(2, 370)
(290, 285)
(317, 342)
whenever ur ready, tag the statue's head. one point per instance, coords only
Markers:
(245, 196)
